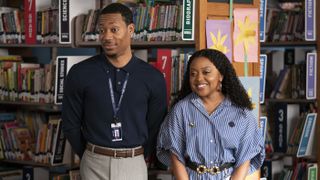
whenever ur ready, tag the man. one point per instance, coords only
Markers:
(114, 104)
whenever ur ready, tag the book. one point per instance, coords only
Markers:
(271, 168)
(64, 63)
(306, 144)
(285, 116)
(35, 173)
(59, 143)
(164, 65)
(312, 170)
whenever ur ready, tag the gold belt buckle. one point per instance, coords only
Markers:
(214, 170)
(201, 169)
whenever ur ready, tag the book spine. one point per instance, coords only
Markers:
(305, 145)
(30, 21)
(59, 146)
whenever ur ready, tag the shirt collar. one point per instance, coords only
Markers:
(130, 67)
(195, 99)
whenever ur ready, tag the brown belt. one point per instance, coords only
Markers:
(115, 153)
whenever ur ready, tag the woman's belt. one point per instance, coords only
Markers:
(201, 169)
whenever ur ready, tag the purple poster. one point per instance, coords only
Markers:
(311, 76)
(310, 20)
(218, 33)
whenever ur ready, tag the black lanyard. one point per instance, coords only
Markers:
(114, 106)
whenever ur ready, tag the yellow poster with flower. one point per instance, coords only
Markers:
(245, 35)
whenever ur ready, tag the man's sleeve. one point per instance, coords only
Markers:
(72, 113)
(157, 109)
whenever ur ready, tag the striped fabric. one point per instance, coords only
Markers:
(229, 134)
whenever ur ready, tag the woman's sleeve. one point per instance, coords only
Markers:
(171, 138)
(251, 145)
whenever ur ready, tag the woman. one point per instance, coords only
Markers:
(211, 132)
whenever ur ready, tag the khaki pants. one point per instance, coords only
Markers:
(100, 167)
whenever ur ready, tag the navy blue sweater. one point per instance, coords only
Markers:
(87, 111)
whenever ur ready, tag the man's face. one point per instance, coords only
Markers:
(114, 34)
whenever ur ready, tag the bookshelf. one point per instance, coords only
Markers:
(219, 10)
(204, 10)
(311, 105)
(76, 43)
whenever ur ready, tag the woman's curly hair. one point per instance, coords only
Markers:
(231, 85)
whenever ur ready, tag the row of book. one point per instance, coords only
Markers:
(293, 128)
(12, 26)
(152, 23)
(285, 25)
(291, 83)
(26, 136)
(37, 173)
(281, 169)
(30, 82)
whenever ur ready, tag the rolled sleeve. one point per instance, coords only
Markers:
(171, 139)
(251, 147)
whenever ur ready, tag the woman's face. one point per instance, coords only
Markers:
(205, 78)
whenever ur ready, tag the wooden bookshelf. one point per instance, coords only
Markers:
(289, 44)
(290, 101)
(144, 44)
(214, 10)
(318, 82)
(46, 107)
(30, 163)
(34, 45)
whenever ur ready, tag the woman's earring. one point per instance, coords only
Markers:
(220, 86)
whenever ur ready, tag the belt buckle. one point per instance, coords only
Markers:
(214, 170)
(201, 169)
(115, 153)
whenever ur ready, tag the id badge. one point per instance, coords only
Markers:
(116, 131)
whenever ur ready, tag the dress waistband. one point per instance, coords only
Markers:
(121, 153)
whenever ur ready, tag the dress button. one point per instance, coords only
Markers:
(211, 140)
(119, 82)
(118, 70)
(211, 162)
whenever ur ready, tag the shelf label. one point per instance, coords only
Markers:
(30, 21)
(61, 72)
(263, 125)
(263, 6)
(64, 19)
(188, 20)
(310, 20)
(263, 69)
(311, 84)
